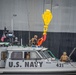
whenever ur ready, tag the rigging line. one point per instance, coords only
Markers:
(51, 5)
(72, 65)
(28, 18)
(43, 5)
(72, 52)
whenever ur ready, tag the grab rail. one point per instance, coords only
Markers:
(52, 54)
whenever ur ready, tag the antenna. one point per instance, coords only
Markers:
(12, 24)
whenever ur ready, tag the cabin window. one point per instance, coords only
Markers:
(3, 55)
(16, 55)
(31, 55)
(42, 54)
(45, 54)
(26, 55)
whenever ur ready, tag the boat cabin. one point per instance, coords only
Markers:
(21, 57)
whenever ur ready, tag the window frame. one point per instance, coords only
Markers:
(13, 58)
(32, 58)
(3, 57)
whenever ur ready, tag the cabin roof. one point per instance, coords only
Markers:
(4, 43)
(20, 48)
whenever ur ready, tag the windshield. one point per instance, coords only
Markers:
(45, 54)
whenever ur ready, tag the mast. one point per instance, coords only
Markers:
(12, 25)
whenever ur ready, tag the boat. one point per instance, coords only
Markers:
(35, 59)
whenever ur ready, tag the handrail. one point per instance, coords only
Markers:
(52, 54)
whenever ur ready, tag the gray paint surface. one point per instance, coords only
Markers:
(29, 15)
